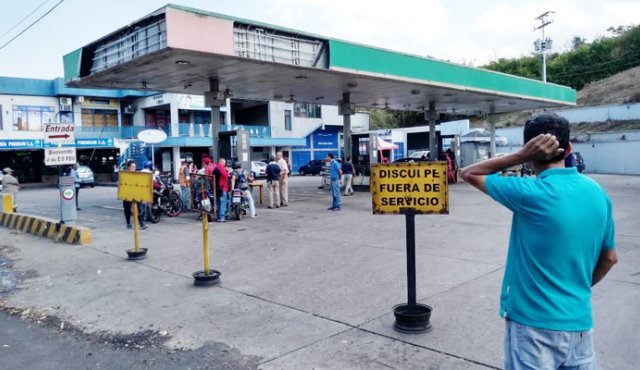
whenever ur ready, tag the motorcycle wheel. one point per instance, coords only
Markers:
(236, 212)
(175, 205)
(154, 213)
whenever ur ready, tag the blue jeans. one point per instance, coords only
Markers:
(221, 203)
(335, 193)
(540, 349)
(185, 195)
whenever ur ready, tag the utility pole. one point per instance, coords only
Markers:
(543, 44)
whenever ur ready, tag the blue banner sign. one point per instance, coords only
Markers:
(94, 143)
(85, 143)
(20, 144)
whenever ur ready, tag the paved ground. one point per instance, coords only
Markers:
(301, 287)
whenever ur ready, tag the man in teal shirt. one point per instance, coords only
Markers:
(561, 244)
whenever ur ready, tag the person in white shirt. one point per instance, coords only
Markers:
(284, 179)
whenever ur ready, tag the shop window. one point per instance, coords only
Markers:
(307, 110)
(287, 120)
(31, 118)
(99, 117)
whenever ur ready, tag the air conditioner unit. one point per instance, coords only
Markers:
(66, 104)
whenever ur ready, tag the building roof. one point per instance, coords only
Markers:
(179, 49)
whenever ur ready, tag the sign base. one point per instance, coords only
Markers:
(200, 278)
(412, 320)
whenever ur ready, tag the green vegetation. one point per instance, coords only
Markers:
(584, 63)
(387, 119)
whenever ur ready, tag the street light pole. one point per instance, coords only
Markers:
(543, 44)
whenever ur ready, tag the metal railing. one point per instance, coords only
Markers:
(184, 130)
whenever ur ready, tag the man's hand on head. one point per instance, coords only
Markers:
(541, 148)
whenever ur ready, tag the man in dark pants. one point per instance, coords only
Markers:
(335, 175)
(562, 243)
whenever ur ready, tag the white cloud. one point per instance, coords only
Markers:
(506, 29)
(413, 26)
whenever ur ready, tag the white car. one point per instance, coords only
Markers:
(420, 154)
(86, 176)
(258, 169)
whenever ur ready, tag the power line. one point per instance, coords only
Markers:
(23, 19)
(31, 25)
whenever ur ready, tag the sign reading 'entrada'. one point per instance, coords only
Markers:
(417, 188)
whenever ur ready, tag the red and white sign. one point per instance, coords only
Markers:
(59, 134)
(59, 156)
(67, 194)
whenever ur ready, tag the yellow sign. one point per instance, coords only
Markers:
(135, 186)
(402, 188)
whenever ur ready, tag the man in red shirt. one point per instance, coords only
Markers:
(222, 177)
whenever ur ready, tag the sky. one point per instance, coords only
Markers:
(469, 32)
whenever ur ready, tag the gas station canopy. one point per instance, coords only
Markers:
(179, 49)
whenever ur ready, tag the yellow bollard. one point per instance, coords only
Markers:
(136, 253)
(136, 243)
(7, 203)
(205, 241)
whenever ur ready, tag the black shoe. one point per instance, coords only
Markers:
(277, 206)
(331, 208)
(336, 209)
(129, 227)
(78, 209)
(269, 207)
(143, 227)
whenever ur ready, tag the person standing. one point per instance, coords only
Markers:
(273, 179)
(283, 179)
(240, 181)
(221, 176)
(10, 185)
(335, 176)
(562, 243)
(348, 171)
(76, 180)
(183, 179)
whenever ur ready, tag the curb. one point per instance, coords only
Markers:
(50, 229)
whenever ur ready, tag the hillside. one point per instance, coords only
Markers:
(621, 88)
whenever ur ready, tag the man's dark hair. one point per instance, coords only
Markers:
(548, 123)
(330, 155)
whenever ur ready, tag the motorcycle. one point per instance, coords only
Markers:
(203, 199)
(239, 205)
(165, 199)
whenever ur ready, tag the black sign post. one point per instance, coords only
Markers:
(413, 317)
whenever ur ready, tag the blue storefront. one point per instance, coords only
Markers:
(318, 145)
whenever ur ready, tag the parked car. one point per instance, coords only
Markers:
(420, 154)
(578, 161)
(258, 169)
(313, 167)
(86, 176)
(410, 159)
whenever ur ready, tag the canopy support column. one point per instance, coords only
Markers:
(431, 116)
(346, 109)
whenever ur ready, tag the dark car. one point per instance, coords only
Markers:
(314, 167)
(410, 159)
(578, 161)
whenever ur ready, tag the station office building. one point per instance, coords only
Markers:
(107, 122)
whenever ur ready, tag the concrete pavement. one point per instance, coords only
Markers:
(306, 288)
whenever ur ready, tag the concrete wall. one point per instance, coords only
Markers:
(622, 112)
(604, 152)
